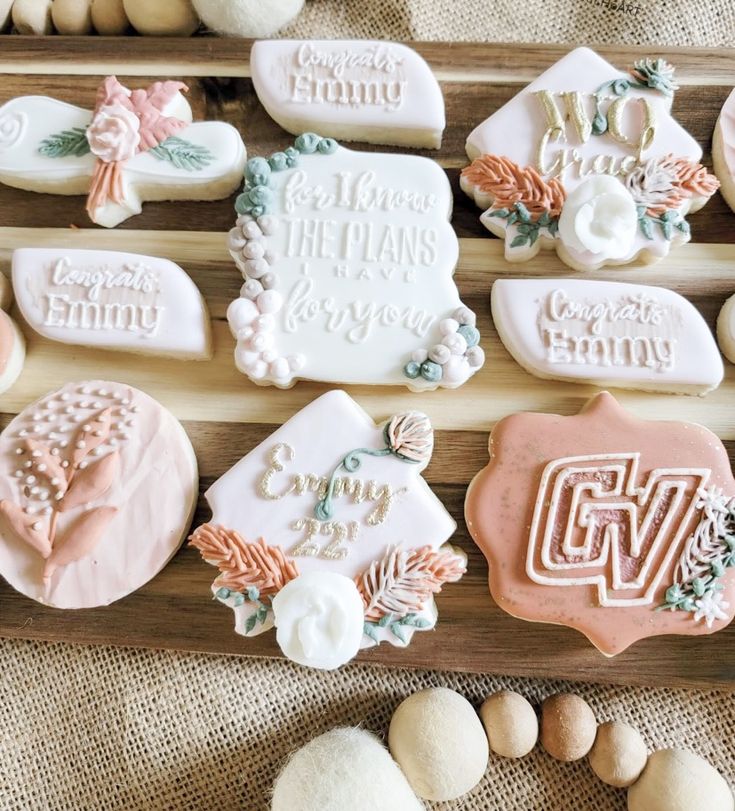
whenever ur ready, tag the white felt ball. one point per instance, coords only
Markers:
(72, 16)
(33, 17)
(676, 780)
(162, 18)
(247, 18)
(510, 723)
(340, 770)
(241, 313)
(618, 755)
(439, 742)
(109, 18)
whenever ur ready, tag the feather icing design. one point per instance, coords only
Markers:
(403, 580)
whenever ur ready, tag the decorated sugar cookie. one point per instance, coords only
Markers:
(726, 329)
(328, 531)
(607, 333)
(136, 145)
(112, 300)
(98, 484)
(619, 527)
(353, 90)
(348, 260)
(12, 342)
(723, 150)
(590, 162)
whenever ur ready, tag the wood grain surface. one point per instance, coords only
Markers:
(226, 415)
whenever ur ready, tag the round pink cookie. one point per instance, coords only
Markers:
(98, 484)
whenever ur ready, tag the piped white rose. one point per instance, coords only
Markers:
(599, 220)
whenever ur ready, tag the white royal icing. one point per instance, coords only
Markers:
(726, 329)
(112, 300)
(26, 121)
(359, 90)
(607, 333)
(351, 274)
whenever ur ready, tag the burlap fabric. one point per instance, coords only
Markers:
(83, 729)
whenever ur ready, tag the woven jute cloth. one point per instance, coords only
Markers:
(85, 728)
(614, 22)
(121, 730)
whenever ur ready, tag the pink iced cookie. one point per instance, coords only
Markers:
(723, 150)
(98, 484)
(598, 520)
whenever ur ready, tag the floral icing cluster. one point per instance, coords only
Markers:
(252, 316)
(708, 553)
(454, 358)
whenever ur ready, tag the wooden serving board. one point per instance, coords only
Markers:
(226, 415)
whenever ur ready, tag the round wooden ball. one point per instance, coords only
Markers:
(510, 724)
(162, 18)
(618, 755)
(109, 17)
(677, 780)
(33, 17)
(568, 727)
(438, 741)
(72, 17)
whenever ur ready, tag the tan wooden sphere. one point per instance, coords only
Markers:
(618, 755)
(72, 17)
(162, 18)
(568, 726)
(510, 724)
(437, 739)
(677, 780)
(33, 17)
(109, 17)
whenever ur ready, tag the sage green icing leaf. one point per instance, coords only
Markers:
(66, 143)
(519, 241)
(183, 154)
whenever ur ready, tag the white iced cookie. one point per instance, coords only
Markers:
(112, 300)
(348, 260)
(135, 146)
(723, 150)
(607, 333)
(328, 531)
(352, 90)
(726, 329)
(588, 161)
(98, 484)
(12, 351)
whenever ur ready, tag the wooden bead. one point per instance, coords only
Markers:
(72, 17)
(33, 17)
(510, 724)
(676, 780)
(568, 727)
(162, 18)
(109, 18)
(438, 741)
(618, 755)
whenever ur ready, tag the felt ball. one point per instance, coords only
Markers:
(568, 727)
(72, 17)
(510, 724)
(619, 754)
(241, 313)
(343, 769)
(162, 18)
(678, 780)
(109, 18)
(33, 17)
(438, 741)
(247, 18)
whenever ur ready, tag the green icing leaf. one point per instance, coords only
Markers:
(554, 227)
(646, 225)
(544, 220)
(262, 613)
(500, 212)
(183, 154)
(533, 236)
(667, 228)
(65, 143)
(599, 124)
(519, 241)
(250, 623)
(524, 215)
(370, 630)
(399, 632)
(386, 619)
(253, 593)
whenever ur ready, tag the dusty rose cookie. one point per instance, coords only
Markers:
(619, 527)
(112, 300)
(348, 260)
(136, 145)
(723, 150)
(328, 531)
(353, 90)
(590, 162)
(607, 333)
(98, 484)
